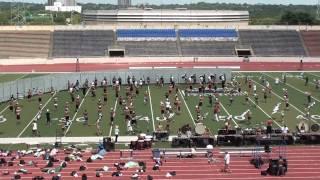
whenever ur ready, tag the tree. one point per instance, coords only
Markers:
(296, 18)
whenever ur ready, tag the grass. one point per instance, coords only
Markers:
(13, 77)
(149, 113)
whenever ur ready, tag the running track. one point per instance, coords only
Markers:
(252, 66)
(303, 163)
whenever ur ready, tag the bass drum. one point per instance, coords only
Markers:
(315, 128)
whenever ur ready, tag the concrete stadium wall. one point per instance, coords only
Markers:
(106, 60)
(157, 25)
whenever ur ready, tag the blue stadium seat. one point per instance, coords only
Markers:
(209, 33)
(146, 33)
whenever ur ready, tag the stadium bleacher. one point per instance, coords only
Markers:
(81, 43)
(207, 48)
(150, 48)
(162, 42)
(312, 42)
(273, 42)
(146, 34)
(208, 34)
(24, 44)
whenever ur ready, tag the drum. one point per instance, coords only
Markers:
(140, 145)
(315, 128)
(148, 143)
(200, 129)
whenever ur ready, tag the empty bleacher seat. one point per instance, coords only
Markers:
(145, 34)
(273, 42)
(150, 48)
(208, 48)
(312, 42)
(24, 44)
(81, 43)
(208, 34)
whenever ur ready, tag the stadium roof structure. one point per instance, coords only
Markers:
(165, 16)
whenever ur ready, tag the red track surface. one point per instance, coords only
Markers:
(303, 163)
(252, 66)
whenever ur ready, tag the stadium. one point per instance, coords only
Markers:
(160, 94)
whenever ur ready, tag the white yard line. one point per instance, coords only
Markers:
(151, 108)
(25, 128)
(264, 112)
(313, 74)
(21, 77)
(283, 99)
(229, 115)
(114, 108)
(303, 80)
(293, 87)
(185, 103)
(75, 114)
(4, 109)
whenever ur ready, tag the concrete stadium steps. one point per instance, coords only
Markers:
(150, 48)
(303, 164)
(273, 42)
(81, 43)
(208, 48)
(24, 44)
(312, 42)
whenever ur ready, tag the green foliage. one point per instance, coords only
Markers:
(293, 18)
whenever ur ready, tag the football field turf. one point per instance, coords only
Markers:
(149, 115)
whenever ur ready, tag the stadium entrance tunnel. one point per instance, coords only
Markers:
(243, 51)
(116, 52)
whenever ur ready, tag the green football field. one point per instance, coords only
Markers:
(149, 116)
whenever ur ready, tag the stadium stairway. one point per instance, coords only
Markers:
(179, 43)
(303, 163)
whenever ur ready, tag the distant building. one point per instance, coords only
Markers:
(122, 4)
(50, 2)
(63, 6)
(63, 2)
(166, 16)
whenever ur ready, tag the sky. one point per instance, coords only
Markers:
(306, 2)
